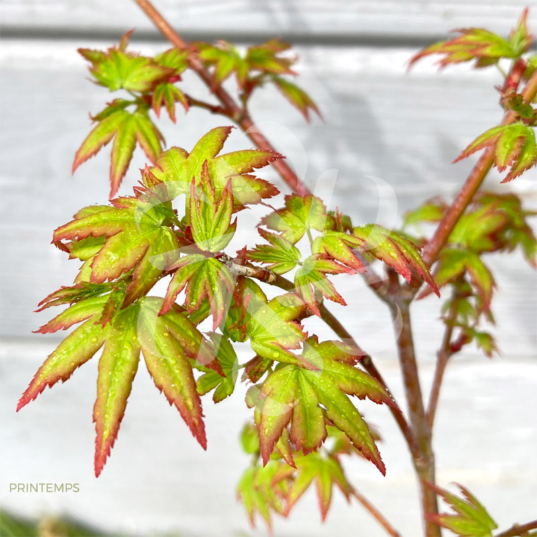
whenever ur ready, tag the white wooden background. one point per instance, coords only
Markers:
(381, 122)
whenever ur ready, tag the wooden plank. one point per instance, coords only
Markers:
(403, 129)
(339, 20)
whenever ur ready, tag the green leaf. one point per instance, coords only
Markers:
(270, 327)
(454, 263)
(471, 518)
(168, 94)
(514, 147)
(258, 494)
(226, 60)
(432, 211)
(394, 250)
(324, 471)
(311, 277)
(294, 395)
(173, 59)
(280, 256)
(521, 38)
(168, 342)
(118, 69)
(265, 58)
(126, 129)
(473, 43)
(137, 236)
(223, 386)
(297, 97)
(203, 277)
(298, 216)
(339, 246)
(177, 168)
(210, 217)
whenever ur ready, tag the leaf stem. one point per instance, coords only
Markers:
(519, 530)
(375, 513)
(233, 110)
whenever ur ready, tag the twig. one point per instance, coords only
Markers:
(444, 354)
(233, 110)
(213, 108)
(375, 513)
(472, 184)
(424, 465)
(519, 530)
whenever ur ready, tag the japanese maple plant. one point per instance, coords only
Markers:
(178, 222)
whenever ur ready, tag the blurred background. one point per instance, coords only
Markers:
(389, 138)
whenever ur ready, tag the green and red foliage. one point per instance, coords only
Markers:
(304, 390)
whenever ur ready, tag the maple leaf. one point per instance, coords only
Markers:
(453, 263)
(298, 216)
(297, 97)
(203, 277)
(226, 60)
(293, 395)
(168, 94)
(311, 276)
(177, 168)
(118, 69)
(514, 147)
(324, 471)
(394, 250)
(173, 59)
(211, 380)
(431, 211)
(210, 217)
(480, 44)
(258, 494)
(167, 343)
(265, 58)
(126, 129)
(137, 236)
(340, 247)
(280, 256)
(270, 327)
(470, 519)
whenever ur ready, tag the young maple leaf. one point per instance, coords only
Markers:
(210, 217)
(126, 129)
(339, 246)
(118, 69)
(471, 518)
(514, 147)
(455, 262)
(293, 395)
(298, 216)
(297, 97)
(265, 58)
(479, 44)
(270, 327)
(280, 256)
(167, 343)
(324, 471)
(177, 168)
(211, 380)
(311, 276)
(137, 236)
(394, 250)
(259, 494)
(168, 94)
(204, 278)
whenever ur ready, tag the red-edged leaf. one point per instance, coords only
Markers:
(297, 97)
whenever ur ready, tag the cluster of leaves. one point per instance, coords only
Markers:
(128, 246)
(513, 145)
(275, 488)
(470, 519)
(261, 64)
(483, 46)
(150, 83)
(493, 223)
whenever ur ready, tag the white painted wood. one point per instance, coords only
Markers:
(348, 19)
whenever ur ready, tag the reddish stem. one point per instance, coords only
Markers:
(375, 513)
(233, 110)
(519, 530)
